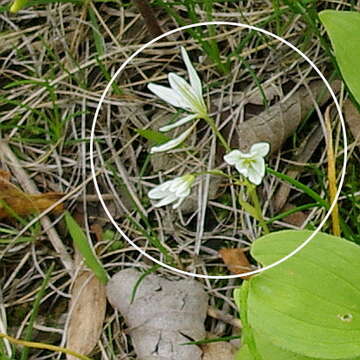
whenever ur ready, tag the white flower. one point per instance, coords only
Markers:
(181, 94)
(172, 143)
(173, 190)
(252, 164)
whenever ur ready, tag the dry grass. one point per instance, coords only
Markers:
(56, 62)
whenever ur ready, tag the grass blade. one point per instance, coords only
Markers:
(82, 244)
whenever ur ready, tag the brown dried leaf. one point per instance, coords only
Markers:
(296, 219)
(303, 155)
(87, 314)
(164, 314)
(21, 203)
(278, 122)
(235, 260)
(352, 117)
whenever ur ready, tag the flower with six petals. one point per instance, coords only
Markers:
(175, 190)
(252, 164)
(182, 95)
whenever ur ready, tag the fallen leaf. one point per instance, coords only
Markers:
(87, 314)
(22, 203)
(303, 155)
(275, 124)
(296, 219)
(235, 260)
(352, 117)
(164, 314)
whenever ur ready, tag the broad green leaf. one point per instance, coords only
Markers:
(268, 351)
(309, 304)
(82, 244)
(343, 28)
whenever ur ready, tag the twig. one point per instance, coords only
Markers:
(227, 318)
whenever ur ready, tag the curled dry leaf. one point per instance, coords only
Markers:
(275, 124)
(22, 203)
(235, 260)
(87, 313)
(164, 314)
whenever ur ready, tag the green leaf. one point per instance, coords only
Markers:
(343, 28)
(155, 137)
(249, 209)
(82, 244)
(309, 304)
(268, 351)
(98, 39)
(18, 5)
(314, 195)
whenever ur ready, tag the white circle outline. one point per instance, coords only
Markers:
(341, 182)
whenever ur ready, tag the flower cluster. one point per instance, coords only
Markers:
(189, 97)
(182, 95)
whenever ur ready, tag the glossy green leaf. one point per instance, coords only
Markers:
(343, 28)
(309, 304)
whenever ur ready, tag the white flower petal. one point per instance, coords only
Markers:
(167, 200)
(242, 168)
(172, 143)
(159, 191)
(186, 92)
(233, 157)
(259, 166)
(173, 190)
(177, 204)
(175, 183)
(194, 77)
(254, 177)
(260, 149)
(180, 122)
(168, 95)
(182, 189)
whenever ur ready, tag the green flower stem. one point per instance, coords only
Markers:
(212, 172)
(255, 199)
(212, 124)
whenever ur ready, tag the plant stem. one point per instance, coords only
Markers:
(256, 202)
(212, 124)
